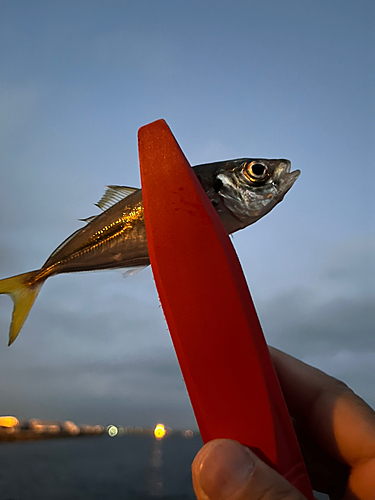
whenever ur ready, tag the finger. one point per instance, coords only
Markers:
(327, 474)
(342, 423)
(224, 469)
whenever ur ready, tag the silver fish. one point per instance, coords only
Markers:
(242, 191)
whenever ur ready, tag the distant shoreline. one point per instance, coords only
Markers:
(30, 435)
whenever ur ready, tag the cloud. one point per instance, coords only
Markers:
(96, 346)
(335, 326)
(103, 390)
(330, 322)
(353, 368)
(94, 353)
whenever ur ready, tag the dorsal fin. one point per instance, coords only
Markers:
(113, 195)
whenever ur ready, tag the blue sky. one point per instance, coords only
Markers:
(277, 79)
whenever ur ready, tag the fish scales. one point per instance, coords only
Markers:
(242, 191)
(114, 239)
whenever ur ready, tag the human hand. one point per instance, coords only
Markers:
(336, 432)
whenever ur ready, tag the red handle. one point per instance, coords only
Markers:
(215, 330)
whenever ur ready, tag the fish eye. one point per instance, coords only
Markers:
(255, 171)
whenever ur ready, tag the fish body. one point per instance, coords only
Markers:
(242, 191)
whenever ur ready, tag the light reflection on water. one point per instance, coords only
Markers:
(98, 468)
(155, 481)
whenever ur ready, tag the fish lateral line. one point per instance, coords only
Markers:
(242, 191)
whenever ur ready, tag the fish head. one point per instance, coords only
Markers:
(245, 190)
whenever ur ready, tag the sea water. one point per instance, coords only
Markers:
(93, 468)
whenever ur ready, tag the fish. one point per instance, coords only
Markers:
(242, 191)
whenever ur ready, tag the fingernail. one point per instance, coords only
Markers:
(224, 467)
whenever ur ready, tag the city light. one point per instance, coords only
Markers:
(159, 431)
(112, 430)
(12, 429)
(8, 421)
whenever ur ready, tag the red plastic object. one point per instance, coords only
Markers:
(215, 330)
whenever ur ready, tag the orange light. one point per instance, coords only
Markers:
(8, 422)
(159, 431)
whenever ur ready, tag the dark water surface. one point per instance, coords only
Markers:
(128, 467)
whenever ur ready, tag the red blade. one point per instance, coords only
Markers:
(215, 330)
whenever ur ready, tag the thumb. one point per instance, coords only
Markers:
(224, 469)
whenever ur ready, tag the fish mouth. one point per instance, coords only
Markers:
(287, 166)
(286, 177)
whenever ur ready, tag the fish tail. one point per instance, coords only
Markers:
(23, 293)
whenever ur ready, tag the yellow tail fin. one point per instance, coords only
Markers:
(23, 296)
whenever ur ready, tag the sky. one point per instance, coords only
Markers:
(232, 79)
